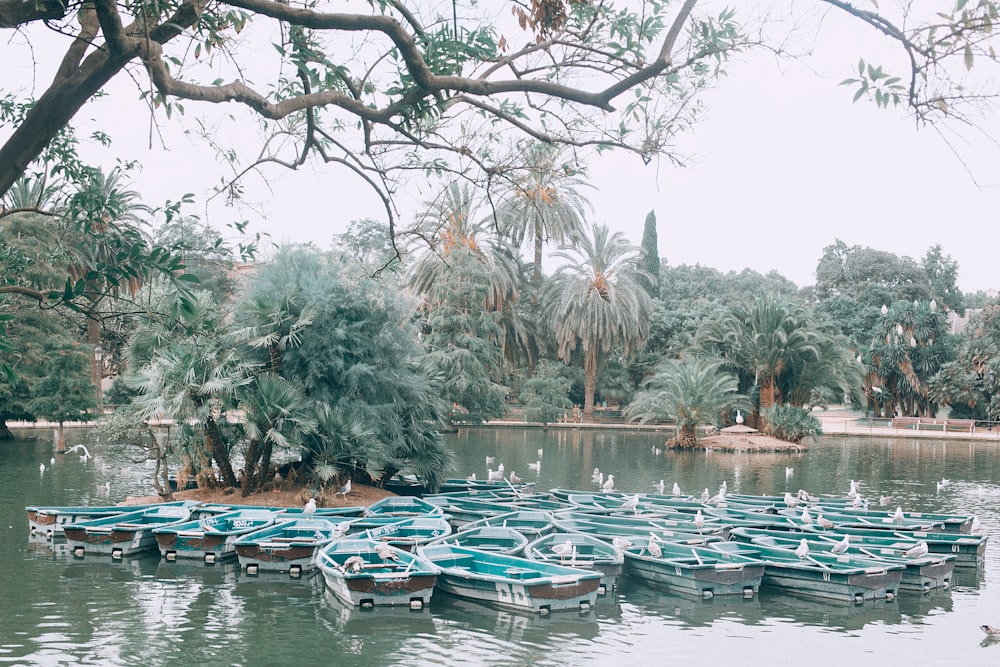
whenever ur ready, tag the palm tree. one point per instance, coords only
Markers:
(690, 392)
(596, 302)
(188, 369)
(543, 205)
(779, 352)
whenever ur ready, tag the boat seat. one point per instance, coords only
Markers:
(520, 573)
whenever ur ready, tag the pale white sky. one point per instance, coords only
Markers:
(783, 164)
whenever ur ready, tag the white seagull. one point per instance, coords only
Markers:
(609, 484)
(898, 515)
(790, 500)
(386, 552)
(991, 630)
(917, 550)
(490, 460)
(310, 507)
(789, 472)
(514, 479)
(354, 564)
(806, 517)
(653, 548)
(699, 520)
(677, 489)
(41, 468)
(660, 487)
(539, 452)
(704, 494)
(535, 467)
(86, 452)
(802, 550)
(823, 522)
(631, 503)
(621, 543)
(345, 489)
(563, 550)
(841, 546)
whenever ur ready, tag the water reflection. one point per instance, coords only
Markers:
(58, 609)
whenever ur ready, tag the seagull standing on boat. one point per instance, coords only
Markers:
(823, 522)
(621, 543)
(898, 516)
(563, 550)
(806, 517)
(802, 550)
(514, 479)
(345, 489)
(677, 489)
(704, 494)
(653, 548)
(609, 484)
(917, 550)
(790, 500)
(632, 503)
(854, 490)
(354, 564)
(386, 552)
(310, 507)
(471, 478)
(841, 546)
(699, 520)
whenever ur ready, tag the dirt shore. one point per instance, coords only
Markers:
(289, 496)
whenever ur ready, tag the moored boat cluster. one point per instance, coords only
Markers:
(510, 546)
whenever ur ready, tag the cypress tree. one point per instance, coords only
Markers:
(651, 255)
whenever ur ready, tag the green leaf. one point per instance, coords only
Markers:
(968, 56)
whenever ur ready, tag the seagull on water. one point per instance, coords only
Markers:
(539, 452)
(52, 461)
(917, 550)
(704, 494)
(841, 546)
(609, 484)
(535, 467)
(802, 550)
(991, 630)
(942, 484)
(789, 472)
(41, 468)
(310, 507)
(884, 501)
(500, 469)
(471, 478)
(977, 526)
(490, 460)
(660, 487)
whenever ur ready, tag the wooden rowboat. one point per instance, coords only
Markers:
(288, 546)
(211, 538)
(125, 534)
(584, 551)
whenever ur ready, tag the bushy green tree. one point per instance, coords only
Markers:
(545, 396)
(791, 423)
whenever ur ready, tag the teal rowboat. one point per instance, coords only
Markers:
(837, 578)
(579, 550)
(697, 571)
(512, 582)
(497, 539)
(405, 533)
(288, 546)
(922, 573)
(125, 534)
(364, 573)
(211, 538)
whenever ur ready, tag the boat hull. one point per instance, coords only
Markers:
(694, 579)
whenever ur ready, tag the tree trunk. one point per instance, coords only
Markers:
(589, 385)
(5, 433)
(218, 449)
(252, 478)
(536, 274)
(688, 436)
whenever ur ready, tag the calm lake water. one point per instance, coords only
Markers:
(59, 610)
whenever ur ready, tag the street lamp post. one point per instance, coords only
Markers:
(98, 358)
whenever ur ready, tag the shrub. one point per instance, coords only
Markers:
(791, 423)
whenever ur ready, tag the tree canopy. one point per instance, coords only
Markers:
(389, 87)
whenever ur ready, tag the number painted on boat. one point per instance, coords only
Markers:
(242, 523)
(512, 594)
(826, 576)
(383, 530)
